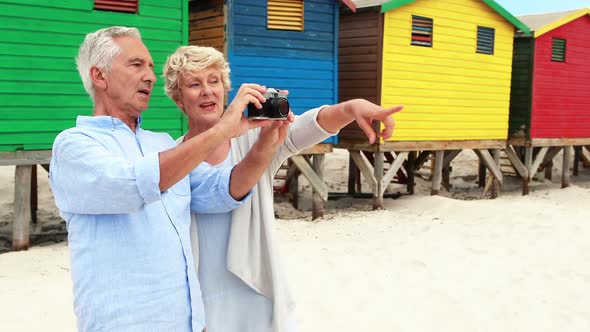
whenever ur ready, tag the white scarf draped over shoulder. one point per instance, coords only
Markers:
(252, 251)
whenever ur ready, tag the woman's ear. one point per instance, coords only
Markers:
(177, 97)
(98, 78)
(179, 102)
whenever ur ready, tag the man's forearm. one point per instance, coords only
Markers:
(178, 162)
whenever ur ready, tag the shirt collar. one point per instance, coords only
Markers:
(102, 121)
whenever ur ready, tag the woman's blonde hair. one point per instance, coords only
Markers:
(187, 59)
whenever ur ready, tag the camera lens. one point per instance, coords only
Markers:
(283, 107)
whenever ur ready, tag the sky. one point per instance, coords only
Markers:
(520, 7)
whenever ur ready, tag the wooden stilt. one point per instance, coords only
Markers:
(446, 172)
(318, 200)
(487, 186)
(410, 168)
(552, 152)
(565, 176)
(369, 156)
(549, 170)
(495, 182)
(577, 153)
(437, 172)
(548, 161)
(400, 169)
(352, 175)
(485, 156)
(378, 174)
(519, 150)
(528, 159)
(34, 201)
(537, 161)
(450, 156)
(316, 182)
(446, 176)
(492, 163)
(365, 168)
(421, 159)
(394, 168)
(389, 156)
(293, 183)
(584, 158)
(359, 183)
(481, 173)
(519, 167)
(22, 207)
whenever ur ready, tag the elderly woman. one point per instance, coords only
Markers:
(242, 283)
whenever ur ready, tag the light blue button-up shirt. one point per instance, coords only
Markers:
(132, 265)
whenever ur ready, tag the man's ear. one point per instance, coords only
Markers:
(98, 78)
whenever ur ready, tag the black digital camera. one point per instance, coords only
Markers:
(276, 107)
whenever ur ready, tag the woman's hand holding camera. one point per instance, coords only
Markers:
(234, 117)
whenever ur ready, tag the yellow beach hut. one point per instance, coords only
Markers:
(449, 63)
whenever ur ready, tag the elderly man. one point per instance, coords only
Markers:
(125, 194)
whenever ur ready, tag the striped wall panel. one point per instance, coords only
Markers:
(303, 62)
(40, 89)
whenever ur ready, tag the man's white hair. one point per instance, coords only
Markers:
(98, 50)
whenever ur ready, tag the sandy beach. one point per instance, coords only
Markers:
(424, 263)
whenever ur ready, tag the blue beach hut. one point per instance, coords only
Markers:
(285, 44)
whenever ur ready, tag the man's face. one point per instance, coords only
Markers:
(130, 82)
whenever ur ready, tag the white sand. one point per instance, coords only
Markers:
(423, 264)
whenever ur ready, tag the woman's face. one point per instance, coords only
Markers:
(202, 95)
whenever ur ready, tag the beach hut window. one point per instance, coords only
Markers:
(285, 14)
(485, 40)
(126, 6)
(421, 31)
(558, 52)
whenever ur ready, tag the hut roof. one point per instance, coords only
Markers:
(543, 23)
(350, 4)
(368, 3)
(393, 4)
